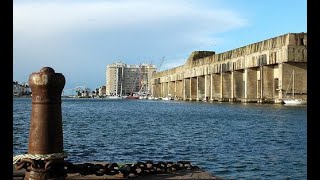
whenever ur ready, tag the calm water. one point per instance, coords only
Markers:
(232, 141)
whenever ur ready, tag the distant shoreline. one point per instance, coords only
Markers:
(22, 96)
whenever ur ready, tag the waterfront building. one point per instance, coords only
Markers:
(259, 72)
(102, 91)
(20, 89)
(124, 79)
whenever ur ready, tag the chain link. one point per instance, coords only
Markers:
(17, 158)
(100, 169)
(127, 170)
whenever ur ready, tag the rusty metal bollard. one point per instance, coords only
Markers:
(46, 134)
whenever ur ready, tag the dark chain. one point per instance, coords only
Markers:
(127, 170)
(124, 170)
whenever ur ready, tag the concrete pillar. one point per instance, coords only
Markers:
(168, 89)
(184, 89)
(201, 87)
(276, 84)
(258, 83)
(205, 87)
(161, 89)
(175, 89)
(153, 90)
(197, 88)
(250, 83)
(245, 83)
(261, 82)
(211, 87)
(216, 86)
(188, 89)
(164, 90)
(268, 82)
(163, 94)
(226, 81)
(280, 66)
(221, 85)
(232, 85)
(238, 84)
(193, 88)
(179, 89)
(158, 90)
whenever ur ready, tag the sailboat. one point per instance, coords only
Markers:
(293, 100)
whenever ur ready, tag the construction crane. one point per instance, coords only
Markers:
(161, 62)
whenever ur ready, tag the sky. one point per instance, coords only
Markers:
(80, 38)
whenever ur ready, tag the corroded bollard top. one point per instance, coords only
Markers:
(46, 136)
(46, 86)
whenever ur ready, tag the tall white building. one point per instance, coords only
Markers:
(123, 79)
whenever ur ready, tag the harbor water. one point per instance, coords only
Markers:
(229, 140)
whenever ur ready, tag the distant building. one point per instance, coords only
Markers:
(268, 71)
(102, 90)
(20, 89)
(123, 79)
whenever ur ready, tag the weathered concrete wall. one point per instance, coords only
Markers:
(195, 56)
(165, 89)
(194, 88)
(259, 83)
(187, 89)
(270, 51)
(261, 64)
(238, 84)
(276, 84)
(216, 86)
(226, 85)
(156, 90)
(172, 86)
(267, 82)
(207, 87)
(251, 83)
(179, 89)
(201, 87)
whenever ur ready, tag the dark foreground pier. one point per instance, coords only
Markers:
(45, 158)
(138, 173)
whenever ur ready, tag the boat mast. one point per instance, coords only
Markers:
(140, 78)
(293, 84)
(117, 71)
(121, 82)
(288, 87)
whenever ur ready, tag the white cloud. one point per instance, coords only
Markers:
(45, 26)
(60, 16)
(62, 32)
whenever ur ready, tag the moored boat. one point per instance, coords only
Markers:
(293, 100)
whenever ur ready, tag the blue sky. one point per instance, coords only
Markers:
(80, 38)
